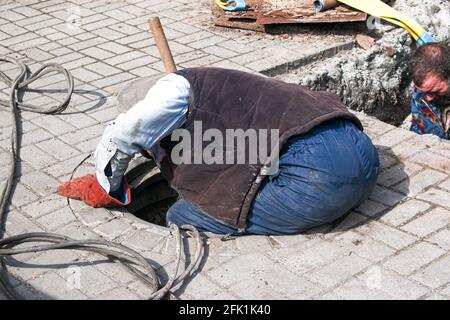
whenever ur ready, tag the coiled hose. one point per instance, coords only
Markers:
(132, 260)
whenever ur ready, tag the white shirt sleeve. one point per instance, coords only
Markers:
(163, 110)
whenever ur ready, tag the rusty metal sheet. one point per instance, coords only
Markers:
(265, 12)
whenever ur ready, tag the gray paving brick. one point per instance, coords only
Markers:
(351, 221)
(99, 24)
(129, 56)
(387, 161)
(429, 222)
(97, 53)
(204, 61)
(445, 185)
(114, 270)
(356, 289)
(85, 75)
(278, 242)
(398, 173)
(36, 157)
(83, 134)
(77, 230)
(87, 44)
(120, 15)
(40, 264)
(262, 271)
(257, 290)
(139, 62)
(37, 54)
(446, 291)
(413, 258)
(442, 239)
(27, 11)
(397, 287)
(144, 72)
(40, 183)
(114, 47)
(53, 285)
(88, 146)
(120, 79)
(57, 219)
(416, 184)
(85, 36)
(43, 24)
(29, 36)
(53, 124)
(67, 58)
(404, 212)
(386, 196)
(112, 229)
(436, 196)
(103, 69)
(195, 37)
(140, 288)
(371, 208)
(436, 274)
(363, 246)
(44, 206)
(436, 296)
(13, 29)
(93, 217)
(143, 240)
(392, 138)
(17, 223)
(58, 149)
(118, 294)
(12, 16)
(393, 237)
(141, 37)
(64, 167)
(442, 148)
(220, 52)
(338, 271)
(302, 260)
(108, 33)
(222, 249)
(432, 160)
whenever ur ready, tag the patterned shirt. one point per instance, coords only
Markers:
(428, 117)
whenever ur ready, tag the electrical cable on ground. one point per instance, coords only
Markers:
(118, 253)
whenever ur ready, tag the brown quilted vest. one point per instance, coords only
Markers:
(230, 99)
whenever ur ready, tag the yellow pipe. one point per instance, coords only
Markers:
(383, 11)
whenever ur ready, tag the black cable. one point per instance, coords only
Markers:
(115, 252)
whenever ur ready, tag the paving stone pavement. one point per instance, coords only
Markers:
(394, 246)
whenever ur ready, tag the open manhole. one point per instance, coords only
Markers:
(150, 193)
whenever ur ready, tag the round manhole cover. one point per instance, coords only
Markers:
(150, 193)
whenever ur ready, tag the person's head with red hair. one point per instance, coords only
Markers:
(430, 72)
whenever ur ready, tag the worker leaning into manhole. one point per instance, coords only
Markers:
(430, 103)
(327, 164)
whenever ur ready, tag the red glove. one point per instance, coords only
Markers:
(88, 189)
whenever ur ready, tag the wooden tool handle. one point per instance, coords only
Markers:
(162, 44)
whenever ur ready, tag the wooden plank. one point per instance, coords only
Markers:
(266, 12)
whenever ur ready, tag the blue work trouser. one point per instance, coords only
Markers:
(323, 174)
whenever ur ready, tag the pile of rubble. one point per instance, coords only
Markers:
(376, 80)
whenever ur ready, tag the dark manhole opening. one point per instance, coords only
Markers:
(150, 193)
